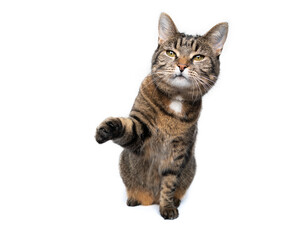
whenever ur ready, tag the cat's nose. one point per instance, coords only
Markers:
(182, 67)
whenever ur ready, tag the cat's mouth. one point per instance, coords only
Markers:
(180, 77)
(180, 81)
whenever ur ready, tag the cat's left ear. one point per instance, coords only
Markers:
(167, 28)
(216, 37)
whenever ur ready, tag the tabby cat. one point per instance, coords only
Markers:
(157, 164)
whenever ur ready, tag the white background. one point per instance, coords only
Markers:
(67, 65)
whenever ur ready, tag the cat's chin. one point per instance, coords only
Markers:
(180, 82)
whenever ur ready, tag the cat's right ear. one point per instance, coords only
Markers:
(167, 28)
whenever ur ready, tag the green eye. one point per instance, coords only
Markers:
(198, 57)
(170, 53)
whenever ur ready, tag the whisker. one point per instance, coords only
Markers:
(198, 88)
(204, 84)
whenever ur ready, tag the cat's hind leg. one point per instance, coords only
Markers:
(139, 197)
(185, 181)
(179, 193)
(136, 193)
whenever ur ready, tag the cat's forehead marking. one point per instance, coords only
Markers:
(184, 41)
(184, 44)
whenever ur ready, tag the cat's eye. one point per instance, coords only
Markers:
(198, 57)
(171, 53)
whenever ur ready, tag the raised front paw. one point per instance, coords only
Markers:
(169, 212)
(109, 129)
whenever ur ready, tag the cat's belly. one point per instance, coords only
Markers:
(145, 169)
(155, 159)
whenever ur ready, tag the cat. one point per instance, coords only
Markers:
(157, 164)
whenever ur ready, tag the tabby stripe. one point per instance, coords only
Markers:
(179, 157)
(175, 43)
(188, 41)
(146, 117)
(195, 46)
(182, 42)
(205, 73)
(212, 65)
(193, 112)
(133, 138)
(160, 66)
(171, 188)
(122, 132)
(145, 130)
(157, 56)
(191, 42)
(178, 43)
(182, 119)
(186, 158)
(177, 139)
(168, 172)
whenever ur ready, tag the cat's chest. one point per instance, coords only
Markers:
(176, 105)
(173, 121)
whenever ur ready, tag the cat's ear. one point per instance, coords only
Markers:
(167, 28)
(216, 37)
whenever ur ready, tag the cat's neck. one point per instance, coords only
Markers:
(176, 103)
(184, 96)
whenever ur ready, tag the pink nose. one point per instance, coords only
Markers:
(182, 67)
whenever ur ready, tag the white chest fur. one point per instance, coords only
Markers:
(176, 104)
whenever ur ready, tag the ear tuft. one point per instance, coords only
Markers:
(167, 28)
(216, 37)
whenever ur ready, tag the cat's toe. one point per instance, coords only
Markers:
(177, 202)
(132, 202)
(169, 212)
(102, 135)
(108, 130)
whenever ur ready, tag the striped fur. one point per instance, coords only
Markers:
(157, 164)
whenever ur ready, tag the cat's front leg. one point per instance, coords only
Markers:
(129, 133)
(170, 170)
(168, 209)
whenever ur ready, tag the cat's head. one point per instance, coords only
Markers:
(186, 64)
